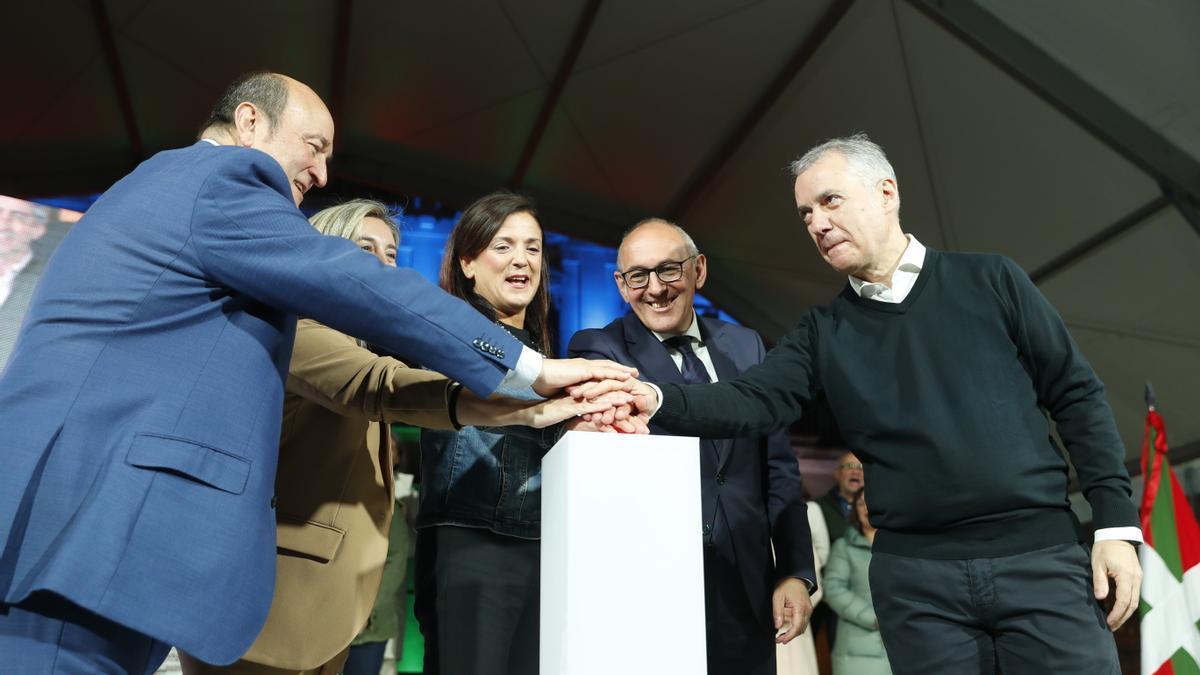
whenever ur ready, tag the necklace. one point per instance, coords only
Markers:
(525, 337)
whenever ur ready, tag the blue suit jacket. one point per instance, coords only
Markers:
(750, 488)
(140, 409)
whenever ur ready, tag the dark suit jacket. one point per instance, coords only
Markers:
(750, 487)
(835, 521)
(140, 413)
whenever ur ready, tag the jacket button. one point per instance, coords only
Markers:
(720, 479)
(477, 342)
(707, 529)
(274, 501)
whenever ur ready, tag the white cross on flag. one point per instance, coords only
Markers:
(1170, 564)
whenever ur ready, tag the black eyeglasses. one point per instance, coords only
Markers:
(666, 273)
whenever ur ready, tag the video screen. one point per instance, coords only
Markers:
(29, 233)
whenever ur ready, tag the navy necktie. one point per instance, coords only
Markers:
(693, 369)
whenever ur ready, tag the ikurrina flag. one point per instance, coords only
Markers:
(1170, 558)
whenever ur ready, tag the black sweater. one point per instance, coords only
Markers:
(944, 398)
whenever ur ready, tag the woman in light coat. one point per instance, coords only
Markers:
(859, 648)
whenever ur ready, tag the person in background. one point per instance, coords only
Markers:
(835, 507)
(333, 488)
(859, 649)
(479, 517)
(835, 504)
(21, 224)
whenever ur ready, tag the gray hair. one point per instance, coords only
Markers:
(267, 91)
(865, 158)
(345, 220)
(687, 238)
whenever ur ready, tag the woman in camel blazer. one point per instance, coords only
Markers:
(333, 488)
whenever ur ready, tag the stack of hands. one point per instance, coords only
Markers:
(592, 396)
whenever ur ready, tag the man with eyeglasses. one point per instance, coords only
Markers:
(750, 486)
(835, 509)
(835, 504)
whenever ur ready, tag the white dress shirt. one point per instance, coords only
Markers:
(8, 276)
(903, 278)
(698, 347)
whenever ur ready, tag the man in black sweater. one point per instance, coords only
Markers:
(940, 369)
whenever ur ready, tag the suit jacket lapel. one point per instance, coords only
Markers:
(653, 360)
(718, 346)
(658, 366)
(654, 363)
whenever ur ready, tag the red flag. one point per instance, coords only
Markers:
(1170, 563)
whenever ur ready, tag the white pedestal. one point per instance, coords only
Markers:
(622, 566)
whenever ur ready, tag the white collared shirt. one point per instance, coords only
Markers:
(8, 276)
(903, 279)
(698, 347)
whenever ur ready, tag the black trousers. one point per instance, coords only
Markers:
(487, 604)
(1021, 614)
(737, 641)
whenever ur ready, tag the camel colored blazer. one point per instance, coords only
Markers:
(333, 490)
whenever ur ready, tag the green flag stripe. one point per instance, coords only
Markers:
(1162, 519)
(1183, 664)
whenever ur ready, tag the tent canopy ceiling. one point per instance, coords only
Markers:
(1014, 127)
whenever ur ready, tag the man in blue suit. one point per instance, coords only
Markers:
(140, 409)
(750, 487)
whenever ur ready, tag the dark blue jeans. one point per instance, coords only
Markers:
(1027, 613)
(365, 659)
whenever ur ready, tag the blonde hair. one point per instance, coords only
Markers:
(345, 220)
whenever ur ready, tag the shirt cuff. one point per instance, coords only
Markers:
(658, 392)
(808, 583)
(518, 383)
(1131, 534)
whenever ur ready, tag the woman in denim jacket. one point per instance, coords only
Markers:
(479, 521)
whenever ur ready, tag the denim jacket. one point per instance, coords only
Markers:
(476, 477)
